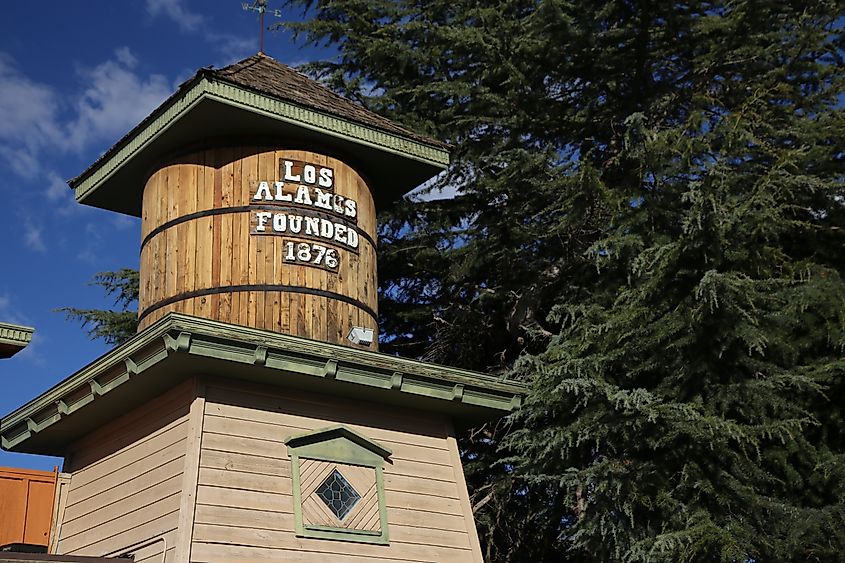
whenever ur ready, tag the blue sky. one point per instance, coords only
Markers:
(74, 77)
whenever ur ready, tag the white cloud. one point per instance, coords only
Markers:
(435, 193)
(36, 119)
(125, 56)
(87, 256)
(57, 188)
(22, 160)
(33, 352)
(232, 48)
(9, 313)
(123, 222)
(177, 11)
(32, 237)
(60, 195)
(115, 100)
(37, 122)
(92, 231)
(28, 112)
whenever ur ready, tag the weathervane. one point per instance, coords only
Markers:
(260, 6)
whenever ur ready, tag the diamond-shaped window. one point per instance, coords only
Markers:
(338, 494)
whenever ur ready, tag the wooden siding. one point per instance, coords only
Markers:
(59, 502)
(216, 251)
(126, 482)
(244, 506)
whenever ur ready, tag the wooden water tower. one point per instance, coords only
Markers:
(257, 190)
(251, 417)
(262, 236)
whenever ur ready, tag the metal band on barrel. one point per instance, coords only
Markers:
(244, 208)
(259, 287)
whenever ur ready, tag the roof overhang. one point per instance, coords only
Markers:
(13, 339)
(209, 108)
(180, 346)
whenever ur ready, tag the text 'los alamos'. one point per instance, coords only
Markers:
(307, 186)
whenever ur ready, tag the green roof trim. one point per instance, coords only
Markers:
(180, 346)
(14, 338)
(218, 90)
(136, 140)
(324, 435)
(15, 334)
(327, 123)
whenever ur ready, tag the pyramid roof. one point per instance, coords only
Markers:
(260, 101)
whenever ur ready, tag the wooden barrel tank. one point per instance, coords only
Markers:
(270, 238)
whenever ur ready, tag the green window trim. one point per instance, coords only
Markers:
(338, 444)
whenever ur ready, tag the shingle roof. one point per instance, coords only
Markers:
(260, 98)
(268, 76)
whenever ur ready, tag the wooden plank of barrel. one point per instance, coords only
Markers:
(272, 238)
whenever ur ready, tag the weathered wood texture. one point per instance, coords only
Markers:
(218, 250)
(126, 482)
(244, 498)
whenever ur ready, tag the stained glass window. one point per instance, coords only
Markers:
(338, 494)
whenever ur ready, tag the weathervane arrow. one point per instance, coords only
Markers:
(260, 6)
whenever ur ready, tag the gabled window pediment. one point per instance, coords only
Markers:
(338, 485)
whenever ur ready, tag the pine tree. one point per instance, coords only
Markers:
(113, 326)
(649, 212)
(690, 402)
(462, 278)
(647, 227)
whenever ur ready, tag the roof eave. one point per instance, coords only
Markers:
(13, 339)
(135, 131)
(272, 358)
(206, 85)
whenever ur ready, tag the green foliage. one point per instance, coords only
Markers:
(648, 228)
(472, 76)
(115, 327)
